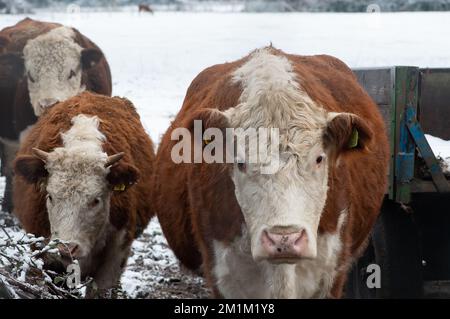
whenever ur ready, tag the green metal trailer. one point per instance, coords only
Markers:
(411, 239)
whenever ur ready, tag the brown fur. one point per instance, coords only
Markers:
(120, 123)
(196, 202)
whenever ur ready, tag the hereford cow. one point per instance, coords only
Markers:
(82, 176)
(40, 64)
(293, 232)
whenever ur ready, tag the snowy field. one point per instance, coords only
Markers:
(155, 57)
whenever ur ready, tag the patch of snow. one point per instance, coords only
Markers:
(153, 270)
(441, 149)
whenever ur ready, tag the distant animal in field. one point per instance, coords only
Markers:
(83, 176)
(145, 8)
(42, 63)
(292, 231)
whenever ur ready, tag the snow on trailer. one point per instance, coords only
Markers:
(155, 57)
(441, 149)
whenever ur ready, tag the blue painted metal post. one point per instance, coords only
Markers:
(439, 180)
(405, 93)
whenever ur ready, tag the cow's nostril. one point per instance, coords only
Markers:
(285, 242)
(300, 237)
(70, 250)
(73, 249)
(267, 239)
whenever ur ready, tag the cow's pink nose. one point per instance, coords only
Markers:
(70, 250)
(284, 245)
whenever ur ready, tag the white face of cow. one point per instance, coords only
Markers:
(282, 211)
(78, 199)
(77, 185)
(53, 68)
(78, 193)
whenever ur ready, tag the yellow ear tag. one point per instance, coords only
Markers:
(353, 141)
(207, 141)
(119, 188)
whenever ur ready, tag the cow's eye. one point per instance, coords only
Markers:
(49, 198)
(30, 77)
(242, 167)
(95, 202)
(72, 74)
(319, 159)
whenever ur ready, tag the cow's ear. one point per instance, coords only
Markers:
(208, 131)
(90, 58)
(122, 175)
(346, 132)
(30, 168)
(209, 118)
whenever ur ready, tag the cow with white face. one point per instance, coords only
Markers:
(78, 194)
(292, 232)
(51, 63)
(82, 188)
(54, 64)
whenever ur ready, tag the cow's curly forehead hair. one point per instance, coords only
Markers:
(52, 51)
(272, 97)
(72, 172)
(53, 67)
(79, 166)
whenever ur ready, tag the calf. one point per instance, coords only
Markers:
(43, 63)
(82, 176)
(291, 231)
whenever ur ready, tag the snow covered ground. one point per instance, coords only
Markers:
(155, 57)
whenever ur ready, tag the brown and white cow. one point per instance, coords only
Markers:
(292, 233)
(43, 63)
(83, 176)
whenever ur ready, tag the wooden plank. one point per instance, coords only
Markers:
(434, 102)
(385, 111)
(377, 83)
(437, 289)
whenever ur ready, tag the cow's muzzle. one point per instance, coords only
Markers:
(282, 244)
(70, 250)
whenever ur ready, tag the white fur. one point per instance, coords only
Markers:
(239, 276)
(295, 195)
(49, 60)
